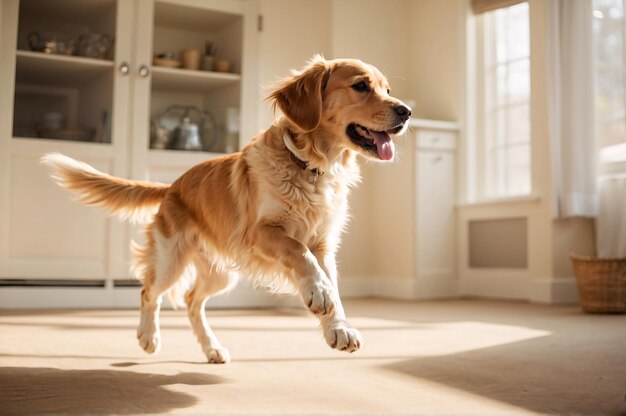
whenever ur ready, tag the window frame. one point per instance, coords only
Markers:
(486, 67)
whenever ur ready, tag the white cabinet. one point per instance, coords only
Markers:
(435, 195)
(109, 102)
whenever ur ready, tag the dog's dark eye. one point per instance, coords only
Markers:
(361, 86)
(388, 91)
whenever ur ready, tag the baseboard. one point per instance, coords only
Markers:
(367, 287)
(397, 288)
(436, 287)
(357, 287)
(555, 291)
(394, 288)
(242, 296)
(378, 287)
(495, 283)
(549, 291)
(518, 285)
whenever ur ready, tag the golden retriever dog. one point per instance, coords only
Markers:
(272, 212)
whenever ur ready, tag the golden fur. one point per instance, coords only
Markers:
(257, 213)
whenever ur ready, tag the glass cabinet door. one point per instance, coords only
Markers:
(188, 94)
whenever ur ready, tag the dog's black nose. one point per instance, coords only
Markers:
(402, 111)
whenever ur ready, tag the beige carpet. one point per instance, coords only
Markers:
(449, 357)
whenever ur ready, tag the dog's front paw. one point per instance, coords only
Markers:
(149, 339)
(318, 297)
(343, 337)
(217, 355)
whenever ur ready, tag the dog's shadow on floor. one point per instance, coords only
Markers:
(133, 364)
(28, 390)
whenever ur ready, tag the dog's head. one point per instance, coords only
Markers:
(348, 100)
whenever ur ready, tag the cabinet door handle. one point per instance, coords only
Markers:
(437, 159)
(124, 68)
(435, 139)
(144, 71)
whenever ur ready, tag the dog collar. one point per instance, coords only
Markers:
(292, 149)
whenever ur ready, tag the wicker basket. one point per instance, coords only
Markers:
(601, 283)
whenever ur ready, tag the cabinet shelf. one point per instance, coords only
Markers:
(58, 70)
(189, 80)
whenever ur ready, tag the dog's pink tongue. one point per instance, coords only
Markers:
(384, 145)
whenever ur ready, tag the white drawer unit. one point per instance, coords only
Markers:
(435, 194)
(436, 139)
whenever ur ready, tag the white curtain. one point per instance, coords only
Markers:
(611, 222)
(571, 106)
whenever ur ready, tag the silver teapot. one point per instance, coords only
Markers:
(183, 127)
(186, 136)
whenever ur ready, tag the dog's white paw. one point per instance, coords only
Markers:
(148, 334)
(343, 337)
(217, 355)
(149, 340)
(318, 297)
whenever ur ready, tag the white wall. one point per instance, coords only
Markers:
(436, 34)
(375, 31)
(288, 39)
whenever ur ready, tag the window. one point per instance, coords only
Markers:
(504, 102)
(609, 47)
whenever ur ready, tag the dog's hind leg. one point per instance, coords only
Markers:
(161, 263)
(210, 281)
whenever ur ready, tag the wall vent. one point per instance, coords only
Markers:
(501, 243)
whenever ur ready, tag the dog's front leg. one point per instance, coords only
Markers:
(316, 289)
(338, 332)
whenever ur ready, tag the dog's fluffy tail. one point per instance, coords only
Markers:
(135, 201)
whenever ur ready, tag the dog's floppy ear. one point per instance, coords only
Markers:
(300, 96)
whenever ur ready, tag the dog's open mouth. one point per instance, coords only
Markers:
(376, 142)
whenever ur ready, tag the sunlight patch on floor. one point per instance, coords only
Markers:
(436, 339)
